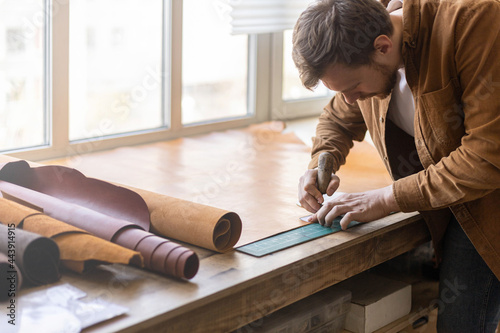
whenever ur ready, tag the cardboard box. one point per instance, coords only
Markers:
(376, 301)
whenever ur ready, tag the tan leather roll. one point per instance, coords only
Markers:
(209, 227)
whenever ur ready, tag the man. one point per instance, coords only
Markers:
(425, 81)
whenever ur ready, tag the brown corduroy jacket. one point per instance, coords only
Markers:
(451, 52)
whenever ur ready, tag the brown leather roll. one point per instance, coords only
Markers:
(116, 230)
(156, 249)
(37, 257)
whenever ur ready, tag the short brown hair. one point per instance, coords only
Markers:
(337, 32)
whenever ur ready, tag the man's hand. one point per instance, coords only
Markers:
(309, 196)
(361, 207)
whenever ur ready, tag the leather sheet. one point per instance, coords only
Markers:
(36, 256)
(79, 250)
(159, 254)
(72, 186)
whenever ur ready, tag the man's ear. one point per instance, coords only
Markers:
(382, 45)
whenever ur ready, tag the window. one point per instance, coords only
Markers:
(214, 66)
(290, 98)
(85, 75)
(23, 75)
(292, 86)
(115, 73)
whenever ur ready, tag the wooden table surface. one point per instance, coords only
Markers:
(260, 183)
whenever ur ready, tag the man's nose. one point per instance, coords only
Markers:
(351, 98)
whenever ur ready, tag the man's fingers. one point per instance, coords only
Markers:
(327, 214)
(313, 218)
(310, 203)
(333, 185)
(320, 214)
(309, 195)
(313, 191)
(348, 218)
(334, 213)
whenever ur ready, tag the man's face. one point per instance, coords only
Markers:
(360, 82)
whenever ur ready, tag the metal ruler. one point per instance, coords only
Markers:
(290, 238)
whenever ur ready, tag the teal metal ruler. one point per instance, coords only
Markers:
(290, 238)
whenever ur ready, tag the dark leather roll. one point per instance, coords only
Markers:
(10, 278)
(37, 257)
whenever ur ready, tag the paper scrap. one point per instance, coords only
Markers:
(63, 309)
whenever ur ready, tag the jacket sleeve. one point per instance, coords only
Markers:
(339, 124)
(473, 169)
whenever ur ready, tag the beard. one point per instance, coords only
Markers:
(390, 77)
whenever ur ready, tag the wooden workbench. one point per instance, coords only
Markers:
(233, 289)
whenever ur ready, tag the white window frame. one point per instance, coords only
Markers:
(265, 62)
(290, 109)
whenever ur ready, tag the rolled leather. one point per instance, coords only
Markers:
(209, 227)
(79, 250)
(171, 260)
(36, 256)
(205, 226)
(10, 278)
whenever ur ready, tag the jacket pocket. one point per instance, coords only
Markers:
(442, 115)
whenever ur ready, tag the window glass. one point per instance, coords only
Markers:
(115, 67)
(214, 65)
(292, 86)
(22, 74)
